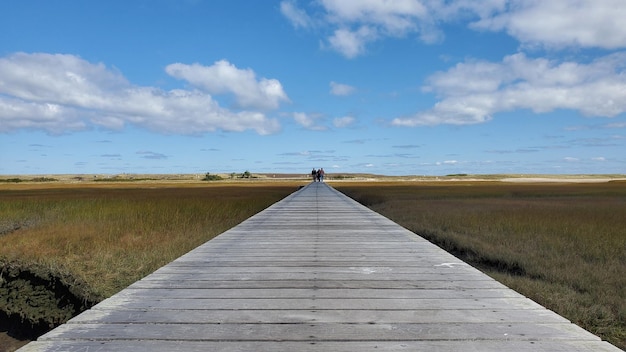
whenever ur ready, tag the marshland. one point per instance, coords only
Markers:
(65, 247)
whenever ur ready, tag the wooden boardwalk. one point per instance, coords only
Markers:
(318, 272)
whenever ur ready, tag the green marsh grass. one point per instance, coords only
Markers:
(110, 237)
(562, 245)
(98, 239)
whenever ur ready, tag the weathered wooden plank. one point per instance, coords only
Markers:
(365, 293)
(354, 284)
(320, 268)
(310, 331)
(287, 275)
(313, 346)
(308, 262)
(316, 303)
(318, 272)
(256, 316)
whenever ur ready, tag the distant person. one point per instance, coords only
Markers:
(314, 174)
(321, 175)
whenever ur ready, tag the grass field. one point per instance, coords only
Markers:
(562, 245)
(64, 248)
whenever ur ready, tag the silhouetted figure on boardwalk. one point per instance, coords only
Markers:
(318, 176)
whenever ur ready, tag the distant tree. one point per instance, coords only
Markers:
(14, 180)
(209, 177)
(246, 174)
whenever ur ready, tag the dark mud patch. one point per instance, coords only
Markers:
(34, 300)
(7, 227)
(9, 344)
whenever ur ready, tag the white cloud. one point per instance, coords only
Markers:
(352, 43)
(224, 77)
(394, 17)
(356, 23)
(556, 23)
(308, 121)
(62, 93)
(298, 17)
(360, 22)
(561, 23)
(616, 125)
(345, 121)
(472, 92)
(465, 9)
(341, 89)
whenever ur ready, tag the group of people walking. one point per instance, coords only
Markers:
(318, 175)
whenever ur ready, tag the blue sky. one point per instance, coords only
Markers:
(405, 87)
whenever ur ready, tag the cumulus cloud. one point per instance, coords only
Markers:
(224, 77)
(308, 121)
(352, 43)
(18, 114)
(389, 18)
(345, 121)
(362, 22)
(62, 93)
(356, 23)
(473, 91)
(561, 23)
(341, 89)
(557, 23)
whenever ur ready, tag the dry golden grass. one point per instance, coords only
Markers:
(65, 247)
(111, 235)
(563, 245)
